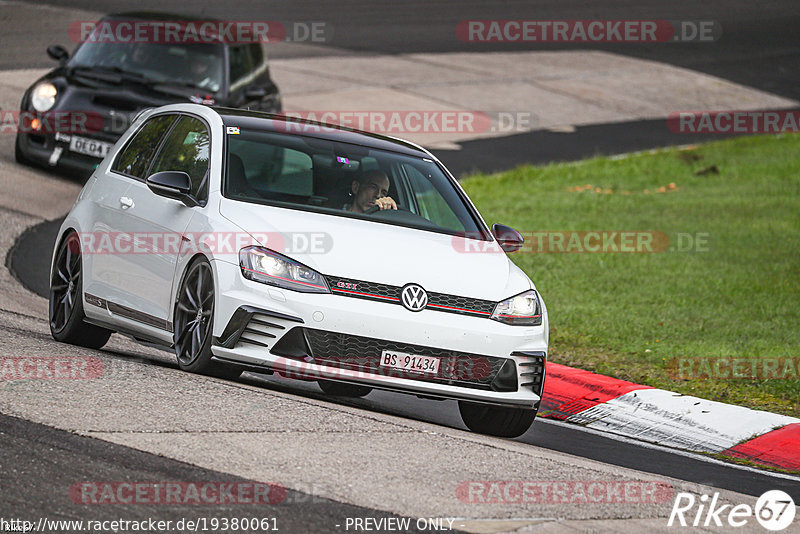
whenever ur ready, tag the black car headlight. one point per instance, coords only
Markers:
(268, 267)
(523, 310)
(43, 96)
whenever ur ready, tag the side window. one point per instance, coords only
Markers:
(270, 168)
(240, 63)
(296, 175)
(256, 55)
(136, 157)
(187, 149)
(431, 204)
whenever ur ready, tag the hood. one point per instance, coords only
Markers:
(116, 103)
(379, 252)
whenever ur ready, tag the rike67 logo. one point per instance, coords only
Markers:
(774, 510)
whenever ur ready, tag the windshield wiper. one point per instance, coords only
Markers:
(122, 74)
(91, 72)
(130, 75)
(183, 83)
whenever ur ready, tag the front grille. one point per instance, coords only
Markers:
(362, 289)
(532, 370)
(387, 293)
(455, 304)
(358, 353)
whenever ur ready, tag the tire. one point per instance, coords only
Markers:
(65, 311)
(496, 420)
(194, 323)
(338, 389)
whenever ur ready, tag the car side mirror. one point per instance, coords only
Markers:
(255, 93)
(509, 239)
(172, 184)
(58, 53)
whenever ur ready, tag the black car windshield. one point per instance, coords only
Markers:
(343, 179)
(195, 65)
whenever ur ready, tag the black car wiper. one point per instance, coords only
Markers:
(182, 83)
(130, 75)
(123, 74)
(94, 73)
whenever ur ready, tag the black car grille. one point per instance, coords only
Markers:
(363, 354)
(388, 293)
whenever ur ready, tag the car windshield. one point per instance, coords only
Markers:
(195, 65)
(343, 179)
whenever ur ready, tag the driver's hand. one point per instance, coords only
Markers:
(386, 203)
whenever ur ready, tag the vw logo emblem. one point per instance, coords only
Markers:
(414, 298)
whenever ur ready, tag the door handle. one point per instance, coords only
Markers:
(126, 202)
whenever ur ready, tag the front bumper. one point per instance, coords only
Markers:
(299, 334)
(39, 149)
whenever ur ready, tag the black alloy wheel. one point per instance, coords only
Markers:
(194, 322)
(66, 299)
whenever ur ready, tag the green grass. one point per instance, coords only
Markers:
(629, 314)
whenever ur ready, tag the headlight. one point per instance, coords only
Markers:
(268, 267)
(43, 96)
(523, 310)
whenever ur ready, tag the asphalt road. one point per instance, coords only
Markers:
(40, 467)
(24, 261)
(759, 45)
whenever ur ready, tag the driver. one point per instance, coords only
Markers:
(371, 190)
(141, 55)
(201, 72)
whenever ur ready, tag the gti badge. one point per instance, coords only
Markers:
(414, 297)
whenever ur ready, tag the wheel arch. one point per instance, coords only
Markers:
(62, 236)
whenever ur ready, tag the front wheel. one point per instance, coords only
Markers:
(496, 420)
(194, 321)
(66, 299)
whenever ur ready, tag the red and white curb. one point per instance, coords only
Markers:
(670, 419)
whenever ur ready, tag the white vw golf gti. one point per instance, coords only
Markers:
(249, 241)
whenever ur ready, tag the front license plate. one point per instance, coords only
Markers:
(409, 362)
(90, 147)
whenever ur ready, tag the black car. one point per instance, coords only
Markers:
(73, 115)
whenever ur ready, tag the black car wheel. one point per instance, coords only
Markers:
(66, 299)
(496, 420)
(194, 321)
(338, 389)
